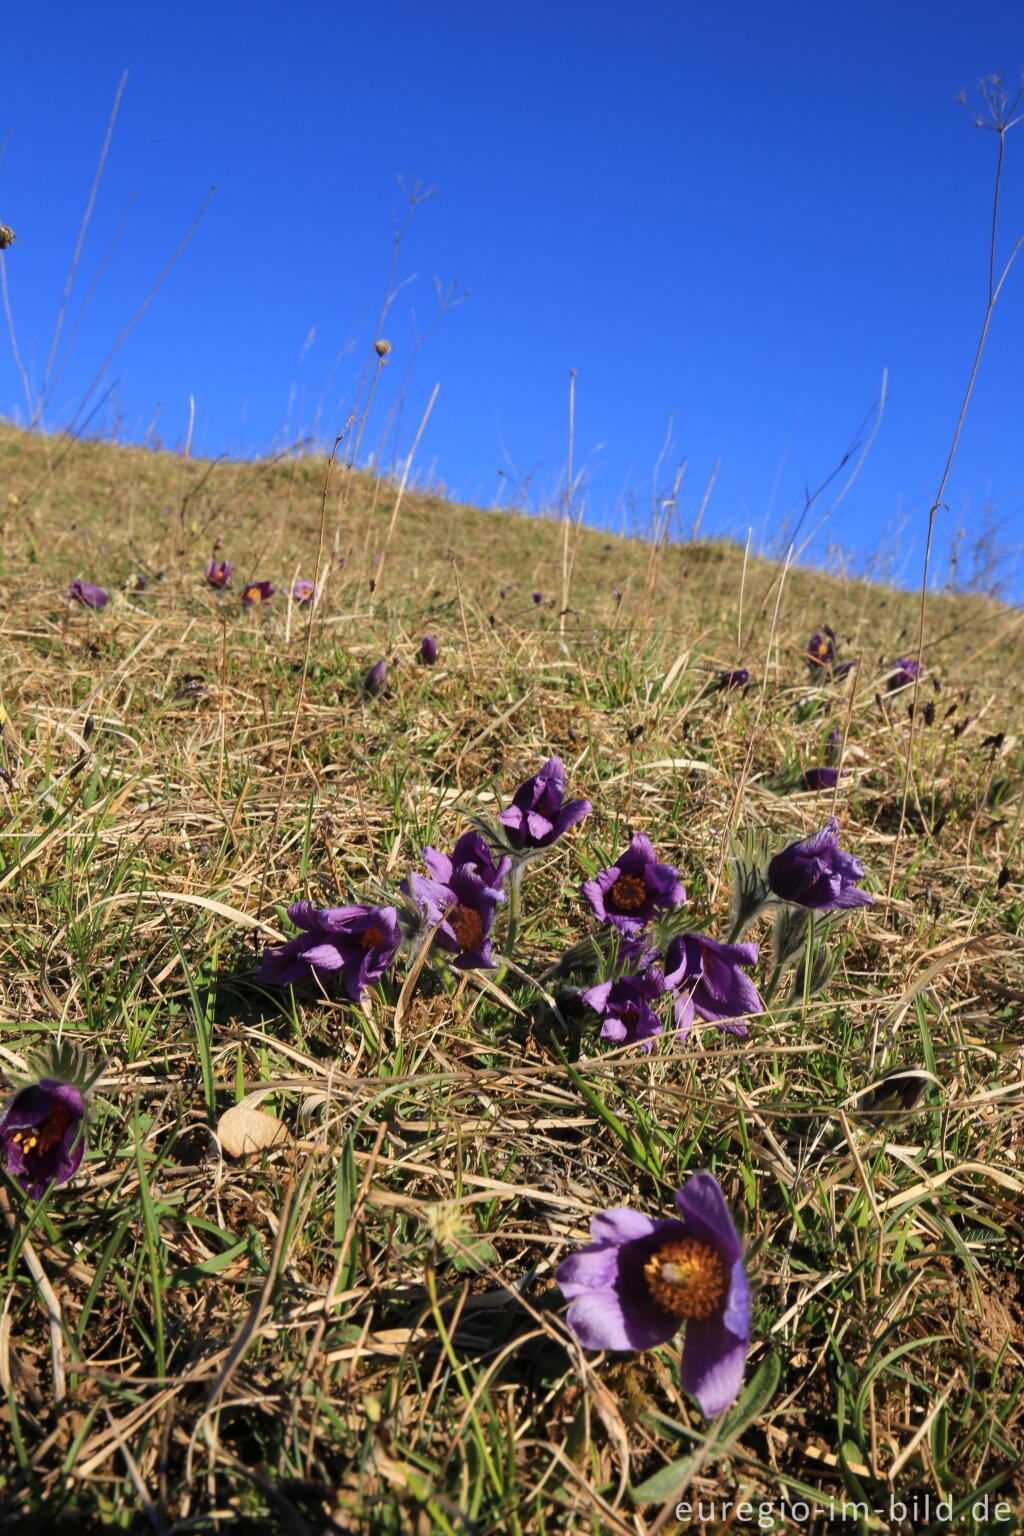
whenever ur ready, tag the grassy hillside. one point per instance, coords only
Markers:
(358, 1327)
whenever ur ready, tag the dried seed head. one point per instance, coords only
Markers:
(7, 236)
(382, 347)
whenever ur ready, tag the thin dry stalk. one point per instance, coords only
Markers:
(76, 256)
(1003, 120)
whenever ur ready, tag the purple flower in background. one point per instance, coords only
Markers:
(641, 1279)
(303, 592)
(218, 572)
(537, 818)
(257, 592)
(461, 893)
(843, 669)
(88, 595)
(375, 680)
(904, 670)
(709, 980)
(625, 1007)
(538, 597)
(361, 942)
(634, 888)
(822, 778)
(817, 873)
(821, 648)
(41, 1133)
(428, 650)
(739, 677)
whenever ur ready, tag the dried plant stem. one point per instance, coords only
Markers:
(26, 386)
(563, 601)
(994, 290)
(404, 482)
(695, 530)
(76, 257)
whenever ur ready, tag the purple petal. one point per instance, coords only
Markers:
(622, 1225)
(324, 956)
(712, 1365)
(707, 1218)
(599, 1321)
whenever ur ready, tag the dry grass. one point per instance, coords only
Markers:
(361, 1331)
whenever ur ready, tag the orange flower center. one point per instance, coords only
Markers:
(370, 937)
(686, 1277)
(626, 895)
(253, 595)
(37, 1140)
(467, 926)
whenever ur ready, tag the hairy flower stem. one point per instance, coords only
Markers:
(515, 880)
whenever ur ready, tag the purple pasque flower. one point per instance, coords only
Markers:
(361, 942)
(709, 981)
(739, 677)
(257, 592)
(821, 648)
(89, 595)
(428, 650)
(625, 1007)
(303, 592)
(537, 818)
(41, 1133)
(821, 778)
(218, 572)
(817, 873)
(376, 679)
(904, 671)
(642, 1278)
(634, 888)
(843, 669)
(460, 895)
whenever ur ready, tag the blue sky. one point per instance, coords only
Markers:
(728, 221)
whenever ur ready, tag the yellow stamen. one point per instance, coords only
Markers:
(37, 1140)
(686, 1277)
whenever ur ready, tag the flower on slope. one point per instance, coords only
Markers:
(709, 980)
(217, 572)
(821, 778)
(428, 650)
(375, 680)
(817, 873)
(641, 1278)
(625, 1007)
(303, 592)
(88, 595)
(42, 1135)
(257, 592)
(634, 888)
(537, 816)
(821, 648)
(359, 941)
(904, 670)
(739, 677)
(460, 895)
